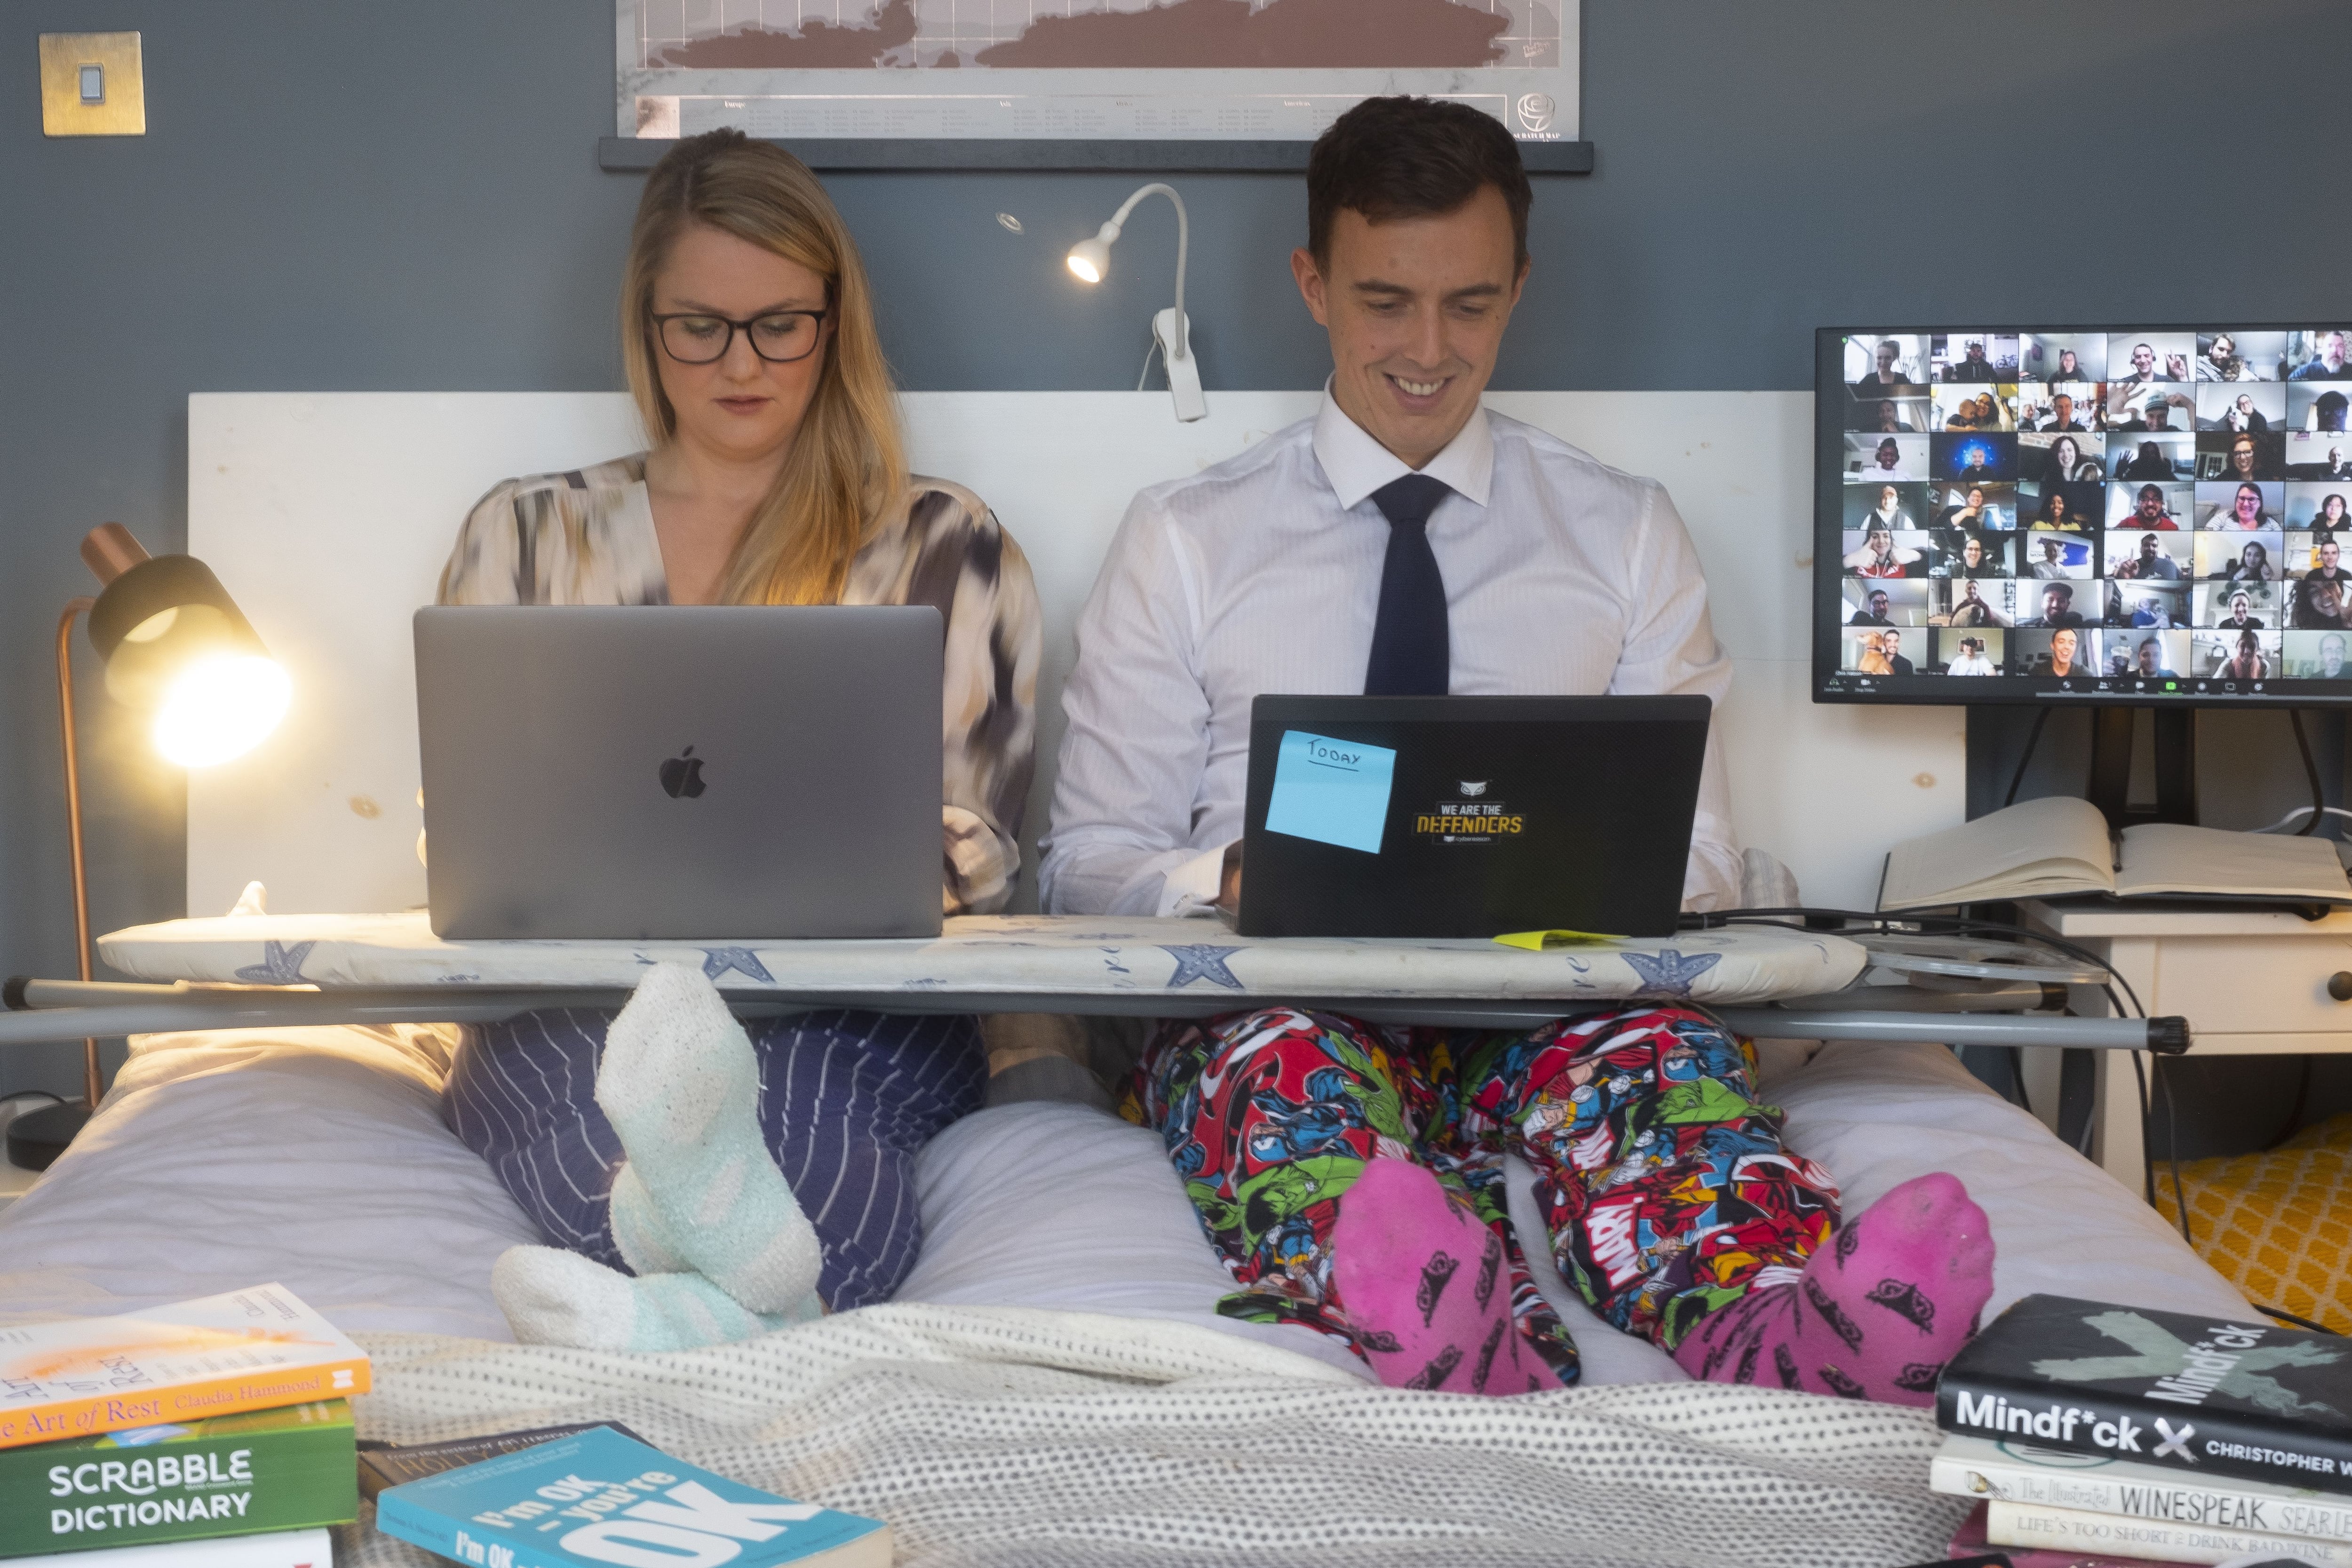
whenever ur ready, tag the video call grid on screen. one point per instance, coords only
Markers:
(2134, 514)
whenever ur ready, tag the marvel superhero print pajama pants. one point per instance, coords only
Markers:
(1663, 1182)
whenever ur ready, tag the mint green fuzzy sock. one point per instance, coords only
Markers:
(682, 1090)
(554, 1296)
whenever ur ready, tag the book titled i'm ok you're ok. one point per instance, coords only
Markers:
(598, 1498)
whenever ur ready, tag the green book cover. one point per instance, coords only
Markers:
(286, 1468)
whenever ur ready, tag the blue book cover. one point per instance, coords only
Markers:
(599, 1497)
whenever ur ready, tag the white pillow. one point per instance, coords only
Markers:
(1876, 1115)
(314, 1157)
(1047, 1203)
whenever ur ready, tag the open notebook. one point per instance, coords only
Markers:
(2059, 844)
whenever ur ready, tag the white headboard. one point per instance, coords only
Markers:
(328, 516)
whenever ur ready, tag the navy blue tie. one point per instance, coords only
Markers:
(1412, 653)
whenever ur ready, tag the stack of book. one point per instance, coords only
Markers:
(211, 1434)
(2095, 1432)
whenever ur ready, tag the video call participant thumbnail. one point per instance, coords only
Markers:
(1893, 369)
(2146, 606)
(1971, 602)
(2057, 608)
(2159, 460)
(2235, 657)
(2253, 408)
(2142, 558)
(1974, 458)
(2234, 358)
(2314, 408)
(2318, 458)
(1883, 459)
(2323, 356)
(2239, 558)
(2318, 507)
(1968, 653)
(1984, 507)
(1888, 415)
(2315, 655)
(1882, 553)
(2079, 359)
(2244, 507)
(2057, 654)
(1982, 555)
(2236, 606)
(2148, 506)
(2049, 557)
(2061, 459)
(2319, 606)
(1872, 602)
(2225, 455)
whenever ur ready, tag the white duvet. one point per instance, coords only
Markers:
(1053, 1383)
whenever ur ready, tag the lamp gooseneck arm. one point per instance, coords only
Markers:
(73, 611)
(1184, 242)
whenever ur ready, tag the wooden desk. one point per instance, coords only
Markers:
(2250, 984)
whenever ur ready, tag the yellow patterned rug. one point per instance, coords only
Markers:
(2278, 1225)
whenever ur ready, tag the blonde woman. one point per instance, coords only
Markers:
(774, 477)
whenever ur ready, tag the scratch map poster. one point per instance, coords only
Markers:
(1073, 69)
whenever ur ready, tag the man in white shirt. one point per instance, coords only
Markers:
(1406, 542)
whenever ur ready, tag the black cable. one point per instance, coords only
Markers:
(2298, 1323)
(2295, 1112)
(2311, 771)
(2146, 1139)
(2172, 1152)
(2033, 739)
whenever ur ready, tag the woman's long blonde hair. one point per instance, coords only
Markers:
(846, 467)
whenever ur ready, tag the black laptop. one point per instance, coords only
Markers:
(1469, 816)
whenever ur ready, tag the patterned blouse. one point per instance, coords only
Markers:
(587, 538)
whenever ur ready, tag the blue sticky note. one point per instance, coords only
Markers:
(1334, 792)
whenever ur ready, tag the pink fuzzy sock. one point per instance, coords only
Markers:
(1424, 1286)
(1874, 1315)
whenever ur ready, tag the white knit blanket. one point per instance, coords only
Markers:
(1011, 1436)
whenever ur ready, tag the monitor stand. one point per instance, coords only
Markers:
(2093, 745)
(2176, 766)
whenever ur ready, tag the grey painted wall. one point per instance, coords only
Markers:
(404, 195)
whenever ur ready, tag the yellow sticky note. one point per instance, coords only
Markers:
(1537, 940)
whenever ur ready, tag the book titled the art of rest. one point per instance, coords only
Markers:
(599, 1497)
(224, 1475)
(2206, 1395)
(2059, 845)
(248, 1350)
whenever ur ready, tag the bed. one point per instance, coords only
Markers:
(1052, 1385)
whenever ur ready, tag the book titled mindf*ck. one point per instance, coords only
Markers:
(2211, 1395)
(248, 1350)
(600, 1498)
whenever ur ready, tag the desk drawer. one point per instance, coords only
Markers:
(2252, 984)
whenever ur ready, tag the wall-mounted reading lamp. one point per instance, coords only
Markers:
(176, 647)
(1089, 260)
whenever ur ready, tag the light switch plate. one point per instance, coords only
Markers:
(123, 110)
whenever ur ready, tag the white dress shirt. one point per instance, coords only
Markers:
(1563, 577)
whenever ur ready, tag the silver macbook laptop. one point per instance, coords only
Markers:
(704, 773)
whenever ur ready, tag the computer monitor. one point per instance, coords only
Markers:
(2136, 514)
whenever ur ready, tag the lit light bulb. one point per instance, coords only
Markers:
(220, 707)
(1090, 259)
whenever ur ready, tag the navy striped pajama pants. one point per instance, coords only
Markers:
(847, 1099)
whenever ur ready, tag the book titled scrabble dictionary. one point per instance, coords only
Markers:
(599, 1497)
(264, 1470)
(248, 1350)
(2193, 1396)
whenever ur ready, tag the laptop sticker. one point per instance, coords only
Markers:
(1334, 792)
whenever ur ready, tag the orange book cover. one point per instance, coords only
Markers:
(248, 1350)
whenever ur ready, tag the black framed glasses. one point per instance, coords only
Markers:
(779, 337)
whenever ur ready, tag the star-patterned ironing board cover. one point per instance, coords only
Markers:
(1012, 955)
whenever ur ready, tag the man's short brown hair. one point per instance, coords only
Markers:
(1412, 157)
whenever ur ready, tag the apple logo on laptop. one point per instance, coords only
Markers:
(682, 775)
